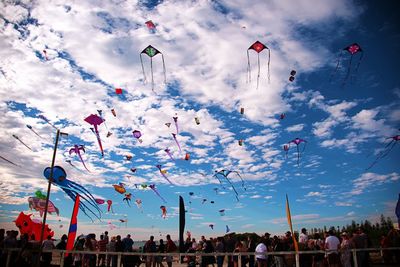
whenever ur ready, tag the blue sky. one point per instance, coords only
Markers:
(94, 48)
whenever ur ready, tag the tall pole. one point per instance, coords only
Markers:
(48, 194)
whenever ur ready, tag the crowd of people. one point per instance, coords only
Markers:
(332, 249)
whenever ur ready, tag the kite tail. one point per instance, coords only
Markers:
(258, 62)
(8, 161)
(99, 141)
(233, 187)
(348, 72)
(23, 143)
(166, 178)
(337, 66)
(152, 76)
(298, 156)
(144, 74)
(358, 65)
(158, 194)
(80, 157)
(248, 80)
(163, 64)
(177, 143)
(269, 59)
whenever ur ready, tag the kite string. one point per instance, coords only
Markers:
(144, 74)
(269, 59)
(163, 63)
(258, 62)
(337, 66)
(348, 72)
(248, 80)
(152, 77)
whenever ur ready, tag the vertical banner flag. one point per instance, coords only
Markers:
(181, 224)
(73, 226)
(289, 219)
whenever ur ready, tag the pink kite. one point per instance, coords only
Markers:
(39, 204)
(77, 150)
(297, 142)
(96, 121)
(99, 201)
(176, 141)
(153, 187)
(164, 211)
(109, 206)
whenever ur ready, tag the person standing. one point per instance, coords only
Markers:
(102, 247)
(303, 238)
(170, 248)
(47, 245)
(160, 249)
(150, 247)
(345, 250)
(220, 248)
(332, 245)
(260, 250)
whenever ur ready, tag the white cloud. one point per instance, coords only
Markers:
(295, 128)
(368, 179)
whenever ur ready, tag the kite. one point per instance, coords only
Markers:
(153, 187)
(197, 120)
(109, 206)
(118, 91)
(109, 134)
(212, 202)
(73, 189)
(164, 211)
(176, 141)
(124, 221)
(30, 128)
(31, 228)
(128, 198)
(113, 112)
(211, 226)
(286, 149)
(187, 156)
(221, 212)
(9, 161)
(298, 142)
(242, 111)
(45, 54)
(168, 124)
(39, 204)
(40, 195)
(292, 74)
(48, 121)
(99, 201)
(133, 170)
(151, 52)
(176, 124)
(204, 201)
(96, 121)
(168, 151)
(150, 25)
(137, 134)
(227, 229)
(282, 116)
(128, 157)
(120, 188)
(240, 142)
(258, 47)
(77, 150)
(386, 150)
(353, 50)
(139, 204)
(163, 172)
(16, 137)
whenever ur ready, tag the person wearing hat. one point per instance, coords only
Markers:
(345, 250)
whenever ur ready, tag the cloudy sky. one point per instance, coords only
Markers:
(64, 62)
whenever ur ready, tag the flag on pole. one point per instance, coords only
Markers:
(73, 226)
(289, 219)
(397, 211)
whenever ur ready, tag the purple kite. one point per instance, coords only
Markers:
(168, 151)
(298, 142)
(77, 150)
(153, 187)
(176, 124)
(163, 172)
(352, 49)
(95, 120)
(176, 141)
(137, 134)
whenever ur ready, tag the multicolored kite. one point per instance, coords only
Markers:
(258, 47)
(353, 50)
(150, 51)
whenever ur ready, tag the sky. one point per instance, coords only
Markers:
(92, 48)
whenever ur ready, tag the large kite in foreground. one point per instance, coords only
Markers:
(258, 47)
(72, 189)
(151, 52)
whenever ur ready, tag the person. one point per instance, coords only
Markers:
(160, 249)
(220, 248)
(345, 250)
(89, 259)
(62, 245)
(150, 247)
(170, 248)
(47, 244)
(360, 240)
(102, 247)
(111, 248)
(79, 246)
(207, 248)
(119, 247)
(229, 247)
(260, 250)
(251, 247)
(238, 249)
(303, 237)
(332, 245)
(128, 243)
(277, 247)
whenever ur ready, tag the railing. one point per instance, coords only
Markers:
(119, 255)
